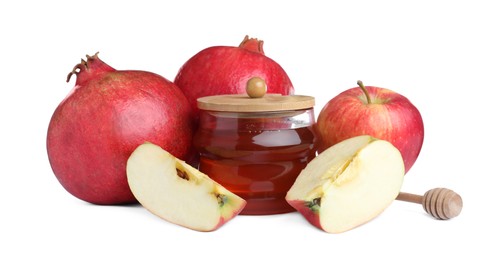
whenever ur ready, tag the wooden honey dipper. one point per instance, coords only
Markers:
(441, 203)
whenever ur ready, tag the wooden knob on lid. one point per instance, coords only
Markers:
(255, 100)
(441, 203)
(256, 87)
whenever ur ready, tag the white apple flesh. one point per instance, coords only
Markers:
(348, 184)
(177, 192)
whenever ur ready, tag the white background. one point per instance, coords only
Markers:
(443, 55)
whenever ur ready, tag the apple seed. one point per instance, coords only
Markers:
(183, 175)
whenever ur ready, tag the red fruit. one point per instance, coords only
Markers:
(104, 118)
(221, 70)
(374, 111)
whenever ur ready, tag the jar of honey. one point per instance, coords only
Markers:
(256, 146)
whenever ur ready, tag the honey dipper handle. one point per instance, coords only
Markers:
(404, 196)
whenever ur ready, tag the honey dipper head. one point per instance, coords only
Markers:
(442, 203)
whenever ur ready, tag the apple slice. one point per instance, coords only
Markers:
(177, 192)
(348, 184)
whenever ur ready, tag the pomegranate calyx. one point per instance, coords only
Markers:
(93, 65)
(79, 67)
(252, 44)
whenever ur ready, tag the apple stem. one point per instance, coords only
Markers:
(364, 89)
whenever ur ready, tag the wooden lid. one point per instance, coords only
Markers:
(244, 103)
(255, 101)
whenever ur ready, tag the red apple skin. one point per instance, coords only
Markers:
(223, 221)
(307, 212)
(390, 116)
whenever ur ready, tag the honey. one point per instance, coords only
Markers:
(256, 145)
(256, 155)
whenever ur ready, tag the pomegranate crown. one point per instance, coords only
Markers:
(252, 44)
(91, 68)
(81, 66)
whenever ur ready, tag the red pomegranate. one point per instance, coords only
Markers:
(104, 118)
(221, 70)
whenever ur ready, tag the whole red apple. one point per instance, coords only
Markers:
(375, 111)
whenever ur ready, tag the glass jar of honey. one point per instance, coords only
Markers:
(256, 146)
